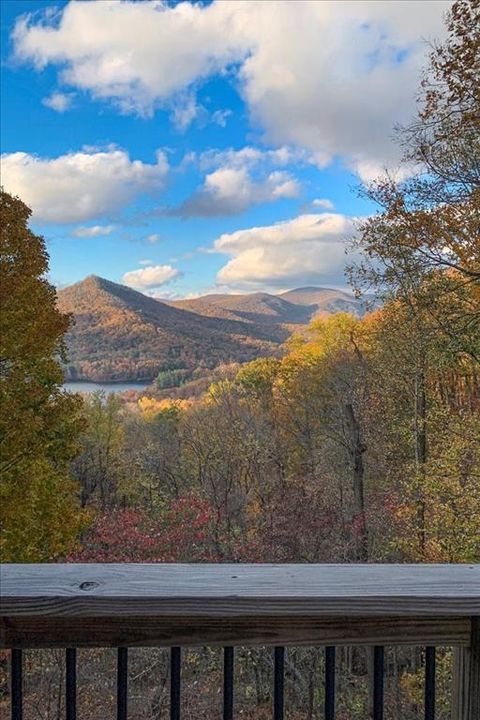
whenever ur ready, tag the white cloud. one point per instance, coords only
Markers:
(60, 102)
(145, 262)
(153, 238)
(138, 54)
(81, 185)
(323, 203)
(185, 110)
(229, 191)
(219, 117)
(310, 249)
(340, 90)
(238, 180)
(150, 277)
(249, 157)
(93, 231)
(335, 86)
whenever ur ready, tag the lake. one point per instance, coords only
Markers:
(82, 386)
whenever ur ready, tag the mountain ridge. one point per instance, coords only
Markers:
(121, 334)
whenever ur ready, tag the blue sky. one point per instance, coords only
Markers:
(184, 148)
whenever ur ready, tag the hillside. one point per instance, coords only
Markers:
(254, 308)
(291, 308)
(121, 334)
(323, 301)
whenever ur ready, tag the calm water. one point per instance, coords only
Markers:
(90, 387)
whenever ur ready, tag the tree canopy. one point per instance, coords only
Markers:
(39, 424)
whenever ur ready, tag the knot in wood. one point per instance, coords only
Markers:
(89, 585)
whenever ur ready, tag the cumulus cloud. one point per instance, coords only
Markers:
(60, 102)
(323, 203)
(310, 249)
(335, 86)
(229, 191)
(81, 185)
(138, 54)
(150, 277)
(93, 231)
(239, 179)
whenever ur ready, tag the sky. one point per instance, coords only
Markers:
(182, 148)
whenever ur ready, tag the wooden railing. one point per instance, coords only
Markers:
(153, 605)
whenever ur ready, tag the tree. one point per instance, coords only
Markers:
(325, 388)
(424, 244)
(39, 424)
(98, 467)
(181, 532)
(424, 412)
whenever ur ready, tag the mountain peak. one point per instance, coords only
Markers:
(307, 288)
(121, 334)
(91, 282)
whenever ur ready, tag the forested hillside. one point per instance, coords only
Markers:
(295, 307)
(120, 334)
(326, 301)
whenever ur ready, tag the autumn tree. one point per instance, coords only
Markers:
(153, 451)
(39, 424)
(424, 244)
(98, 467)
(324, 387)
(422, 258)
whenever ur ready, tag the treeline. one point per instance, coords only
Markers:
(365, 435)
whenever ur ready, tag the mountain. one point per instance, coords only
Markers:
(324, 301)
(261, 308)
(121, 334)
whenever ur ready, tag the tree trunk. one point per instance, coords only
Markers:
(357, 450)
(421, 450)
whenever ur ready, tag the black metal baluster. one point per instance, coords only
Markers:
(122, 683)
(378, 662)
(329, 683)
(430, 683)
(175, 668)
(278, 683)
(228, 657)
(17, 684)
(71, 683)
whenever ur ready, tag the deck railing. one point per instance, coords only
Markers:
(156, 605)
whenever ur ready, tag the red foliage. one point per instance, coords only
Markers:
(182, 533)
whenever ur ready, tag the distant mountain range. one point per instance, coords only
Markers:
(121, 334)
(294, 307)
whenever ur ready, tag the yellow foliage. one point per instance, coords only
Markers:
(39, 513)
(150, 408)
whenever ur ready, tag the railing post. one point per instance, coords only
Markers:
(466, 678)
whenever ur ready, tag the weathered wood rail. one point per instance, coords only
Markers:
(127, 605)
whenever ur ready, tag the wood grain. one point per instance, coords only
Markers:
(231, 590)
(47, 632)
(132, 604)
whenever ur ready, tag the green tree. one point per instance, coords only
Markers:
(39, 423)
